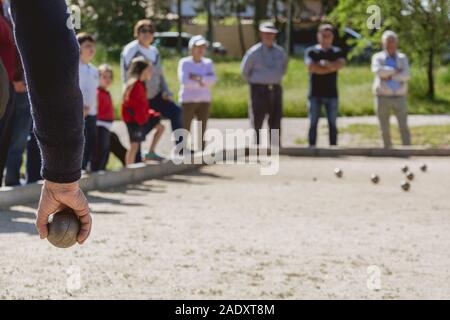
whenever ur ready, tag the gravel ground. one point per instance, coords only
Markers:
(226, 232)
(293, 129)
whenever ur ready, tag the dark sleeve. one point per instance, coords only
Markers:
(50, 56)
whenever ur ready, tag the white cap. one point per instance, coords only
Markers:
(268, 27)
(198, 41)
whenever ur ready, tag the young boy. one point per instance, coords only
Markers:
(105, 119)
(89, 82)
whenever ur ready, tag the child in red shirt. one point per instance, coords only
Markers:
(105, 119)
(137, 114)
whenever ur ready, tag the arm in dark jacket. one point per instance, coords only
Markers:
(50, 56)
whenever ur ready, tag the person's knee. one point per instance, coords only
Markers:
(160, 128)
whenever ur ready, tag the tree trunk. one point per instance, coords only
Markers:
(287, 44)
(240, 29)
(275, 12)
(210, 32)
(431, 90)
(180, 26)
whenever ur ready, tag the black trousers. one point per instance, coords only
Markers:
(117, 148)
(6, 132)
(90, 133)
(101, 152)
(265, 100)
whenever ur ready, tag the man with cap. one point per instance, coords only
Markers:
(324, 61)
(264, 67)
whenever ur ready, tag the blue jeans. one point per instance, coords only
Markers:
(169, 110)
(21, 125)
(315, 106)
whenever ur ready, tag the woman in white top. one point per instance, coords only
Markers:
(197, 76)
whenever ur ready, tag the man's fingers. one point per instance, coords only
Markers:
(85, 229)
(80, 206)
(47, 206)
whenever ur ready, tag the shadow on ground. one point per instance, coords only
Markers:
(21, 219)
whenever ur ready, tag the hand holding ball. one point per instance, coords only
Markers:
(63, 229)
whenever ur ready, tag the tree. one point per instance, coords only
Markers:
(422, 25)
(210, 32)
(238, 8)
(260, 13)
(113, 20)
(179, 25)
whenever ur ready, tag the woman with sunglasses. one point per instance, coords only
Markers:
(158, 93)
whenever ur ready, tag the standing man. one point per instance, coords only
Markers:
(158, 93)
(264, 67)
(323, 62)
(392, 73)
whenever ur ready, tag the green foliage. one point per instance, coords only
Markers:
(230, 95)
(368, 134)
(111, 21)
(422, 26)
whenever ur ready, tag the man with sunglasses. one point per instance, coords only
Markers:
(324, 61)
(158, 93)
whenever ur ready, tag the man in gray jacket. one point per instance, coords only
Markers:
(264, 67)
(392, 73)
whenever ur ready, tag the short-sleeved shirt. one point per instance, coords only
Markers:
(323, 86)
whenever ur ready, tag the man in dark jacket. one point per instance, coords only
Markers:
(50, 55)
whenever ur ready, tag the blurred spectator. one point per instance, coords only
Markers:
(324, 61)
(4, 89)
(264, 67)
(392, 73)
(8, 57)
(105, 119)
(139, 117)
(21, 123)
(89, 80)
(196, 75)
(158, 93)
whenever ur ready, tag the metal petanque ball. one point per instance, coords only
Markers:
(405, 169)
(339, 173)
(410, 176)
(424, 167)
(406, 186)
(375, 178)
(63, 229)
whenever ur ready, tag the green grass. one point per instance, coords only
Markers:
(431, 136)
(230, 95)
